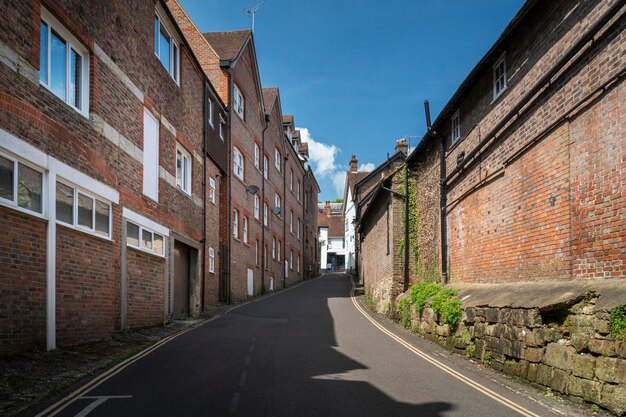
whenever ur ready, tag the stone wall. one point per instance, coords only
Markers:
(555, 335)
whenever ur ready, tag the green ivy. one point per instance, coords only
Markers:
(617, 322)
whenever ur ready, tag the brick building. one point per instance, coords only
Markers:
(527, 157)
(106, 187)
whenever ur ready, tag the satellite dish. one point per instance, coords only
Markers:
(276, 210)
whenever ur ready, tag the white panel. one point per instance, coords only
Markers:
(150, 156)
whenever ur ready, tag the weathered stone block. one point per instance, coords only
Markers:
(532, 354)
(602, 347)
(559, 356)
(611, 370)
(614, 398)
(588, 390)
(580, 341)
(583, 366)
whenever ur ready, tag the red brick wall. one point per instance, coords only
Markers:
(146, 275)
(22, 281)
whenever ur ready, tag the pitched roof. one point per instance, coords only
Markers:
(269, 97)
(228, 44)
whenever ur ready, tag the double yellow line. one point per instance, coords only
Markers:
(481, 388)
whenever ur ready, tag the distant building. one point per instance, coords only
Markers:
(330, 223)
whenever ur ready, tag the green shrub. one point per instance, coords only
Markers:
(451, 312)
(421, 292)
(404, 311)
(617, 322)
(440, 299)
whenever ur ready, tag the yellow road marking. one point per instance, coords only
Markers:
(489, 393)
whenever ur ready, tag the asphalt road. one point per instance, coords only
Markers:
(308, 351)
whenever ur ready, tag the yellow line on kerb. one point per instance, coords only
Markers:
(489, 393)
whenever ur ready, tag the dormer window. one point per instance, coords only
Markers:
(166, 48)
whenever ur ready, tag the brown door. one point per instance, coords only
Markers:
(181, 281)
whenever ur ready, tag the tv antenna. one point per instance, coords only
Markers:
(252, 11)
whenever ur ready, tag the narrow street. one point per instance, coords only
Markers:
(308, 351)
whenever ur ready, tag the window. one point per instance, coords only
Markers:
(291, 180)
(212, 190)
(298, 190)
(256, 206)
(210, 111)
(499, 76)
(150, 156)
(63, 63)
(265, 166)
(277, 159)
(238, 102)
(166, 48)
(298, 228)
(238, 164)
(257, 156)
(455, 129)
(273, 247)
(245, 230)
(265, 213)
(222, 128)
(82, 211)
(277, 200)
(144, 239)
(183, 169)
(211, 260)
(235, 224)
(278, 251)
(291, 221)
(20, 185)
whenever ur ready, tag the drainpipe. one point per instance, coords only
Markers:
(267, 120)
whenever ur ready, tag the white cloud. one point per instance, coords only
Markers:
(321, 155)
(367, 167)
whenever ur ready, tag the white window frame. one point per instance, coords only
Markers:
(245, 229)
(13, 204)
(238, 164)
(187, 169)
(455, 127)
(211, 260)
(77, 46)
(236, 224)
(74, 225)
(496, 79)
(257, 156)
(257, 207)
(277, 158)
(238, 101)
(212, 190)
(174, 58)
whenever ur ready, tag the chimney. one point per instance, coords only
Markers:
(402, 146)
(327, 208)
(354, 163)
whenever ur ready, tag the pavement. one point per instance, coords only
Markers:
(312, 350)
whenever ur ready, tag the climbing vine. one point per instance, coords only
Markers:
(414, 221)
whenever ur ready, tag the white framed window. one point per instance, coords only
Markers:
(499, 76)
(21, 185)
(238, 161)
(210, 111)
(150, 156)
(166, 47)
(256, 206)
(291, 179)
(265, 213)
(455, 128)
(183, 169)
(265, 166)
(63, 63)
(298, 190)
(235, 224)
(298, 228)
(291, 221)
(257, 156)
(222, 128)
(81, 210)
(212, 260)
(278, 251)
(212, 190)
(238, 101)
(277, 201)
(273, 247)
(142, 238)
(277, 159)
(245, 229)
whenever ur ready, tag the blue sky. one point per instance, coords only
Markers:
(355, 73)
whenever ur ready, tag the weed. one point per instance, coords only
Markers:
(617, 322)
